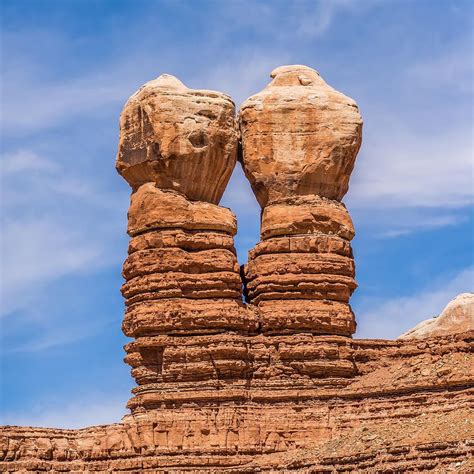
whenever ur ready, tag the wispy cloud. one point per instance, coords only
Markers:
(42, 242)
(388, 319)
(317, 17)
(406, 169)
(422, 223)
(453, 70)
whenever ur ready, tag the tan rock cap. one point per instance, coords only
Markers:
(299, 137)
(179, 138)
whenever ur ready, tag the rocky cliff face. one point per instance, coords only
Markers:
(275, 382)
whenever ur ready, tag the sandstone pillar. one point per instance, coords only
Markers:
(300, 138)
(177, 151)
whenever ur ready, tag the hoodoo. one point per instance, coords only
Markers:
(300, 138)
(177, 150)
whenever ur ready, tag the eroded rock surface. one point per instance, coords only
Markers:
(277, 385)
(406, 408)
(179, 138)
(300, 137)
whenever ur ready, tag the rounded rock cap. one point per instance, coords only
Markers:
(295, 75)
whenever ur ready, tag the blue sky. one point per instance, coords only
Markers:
(67, 69)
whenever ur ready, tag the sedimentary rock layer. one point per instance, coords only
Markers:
(181, 279)
(407, 408)
(300, 139)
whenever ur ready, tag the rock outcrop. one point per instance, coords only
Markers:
(300, 139)
(274, 384)
(457, 317)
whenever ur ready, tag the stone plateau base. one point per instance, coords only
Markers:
(407, 409)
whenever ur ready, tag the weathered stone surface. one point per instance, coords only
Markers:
(307, 216)
(317, 243)
(181, 139)
(457, 317)
(152, 209)
(407, 408)
(188, 316)
(146, 262)
(299, 137)
(303, 263)
(317, 317)
(300, 286)
(181, 239)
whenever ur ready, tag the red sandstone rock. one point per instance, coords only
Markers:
(277, 385)
(299, 137)
(307, 216)
(181, 139)
(152, 208)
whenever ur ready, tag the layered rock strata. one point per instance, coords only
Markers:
(408, 409)
(300, 139)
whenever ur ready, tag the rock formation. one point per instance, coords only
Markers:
(177, 150)
(276, 384)
(300, 139)
(457, 317)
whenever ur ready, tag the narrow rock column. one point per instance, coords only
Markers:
(300, 139)
(177, 150)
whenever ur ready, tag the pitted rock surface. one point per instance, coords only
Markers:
(299, 136)
(179, 138)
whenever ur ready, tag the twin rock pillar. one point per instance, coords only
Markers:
(195, 340)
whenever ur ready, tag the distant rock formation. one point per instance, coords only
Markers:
(457, 317)
(275, 383)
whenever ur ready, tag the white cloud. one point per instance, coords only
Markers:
(35, 251)
(53, 224)
(408, 169)
(241, 75)
(390, 318)
(24, 160)
(452, 71)
(316, 18)
(420, 223)
(80, 413)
